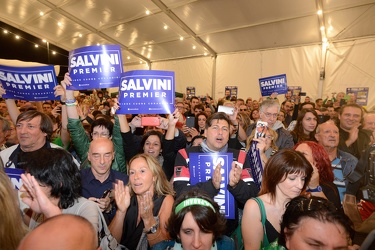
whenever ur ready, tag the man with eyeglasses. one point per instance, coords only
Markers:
(181, 108)
(268, 111)
(100, 128)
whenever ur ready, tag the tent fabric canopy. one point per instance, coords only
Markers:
(211, 44)
(213, 26)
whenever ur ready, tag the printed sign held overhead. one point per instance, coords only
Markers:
(28, 83)
(147, 92)
(95, 67)
(269, 85)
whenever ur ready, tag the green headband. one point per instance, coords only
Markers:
(191, 202)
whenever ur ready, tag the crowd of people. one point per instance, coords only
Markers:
(85, 166)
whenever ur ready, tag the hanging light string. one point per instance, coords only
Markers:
(36, 45)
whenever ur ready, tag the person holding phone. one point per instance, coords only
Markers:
(161, 146)
(97, 181)
(199, 125)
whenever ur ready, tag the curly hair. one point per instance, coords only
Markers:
(55, 168)
(321, 159)
(209, 220)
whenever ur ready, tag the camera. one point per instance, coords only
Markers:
(368, 191)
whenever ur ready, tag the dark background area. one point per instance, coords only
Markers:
(24, 49)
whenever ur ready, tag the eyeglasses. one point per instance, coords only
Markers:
(269, 115)
(243, 109)
(97, 134)
(180, 107)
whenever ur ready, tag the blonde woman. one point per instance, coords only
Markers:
(12, 228)
(144, 206)
(266, 144)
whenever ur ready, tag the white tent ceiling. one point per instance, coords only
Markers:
(213, 26)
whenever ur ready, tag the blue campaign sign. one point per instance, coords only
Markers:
(269, 85)
(95, 67)
(202, 166)
(28, 83)
(361, 95)
(14, 175)
(147, 92)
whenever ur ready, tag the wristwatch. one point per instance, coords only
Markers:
(317, 189)
(153, 229)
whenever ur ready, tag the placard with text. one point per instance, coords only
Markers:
(361, 95)
(202, 166)
(147, 92)
(94, 67)
(271, 84)
(14, 175)
(28, 83)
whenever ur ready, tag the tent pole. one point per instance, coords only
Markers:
(213, 87)
(322, 70)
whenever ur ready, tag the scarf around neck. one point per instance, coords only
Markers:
(206, 149)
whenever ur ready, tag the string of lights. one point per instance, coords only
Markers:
(30, 42)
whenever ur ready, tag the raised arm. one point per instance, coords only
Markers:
(65, 136)
(12, 106)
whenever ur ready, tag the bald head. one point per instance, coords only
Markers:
(327, 134)
(101, 155)
(101, 142)
(65, 231)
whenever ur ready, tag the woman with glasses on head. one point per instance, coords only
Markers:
(285, 176)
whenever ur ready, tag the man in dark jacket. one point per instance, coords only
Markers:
(353, 139)
(240, 184)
